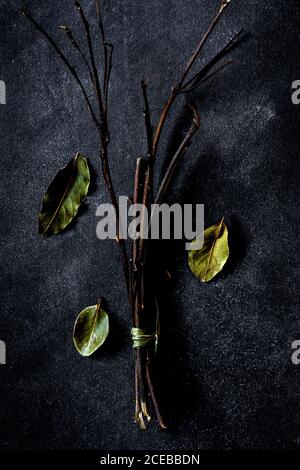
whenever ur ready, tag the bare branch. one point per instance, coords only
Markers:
(177, 88)
(205, 70)
(66, 62)
(107, 51)
(107, 75)
(100, 21)
(208, 77)
(153, 394)
(73, 41)
(93, 63)
(136, 191)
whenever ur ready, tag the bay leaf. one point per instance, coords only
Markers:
(90, 330)
(209, 260)
(64, 196)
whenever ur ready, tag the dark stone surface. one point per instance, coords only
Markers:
(228, 380)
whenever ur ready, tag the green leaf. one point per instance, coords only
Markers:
(64, 196)
(90, 330)
(207, 262)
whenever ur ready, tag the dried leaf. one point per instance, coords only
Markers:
(90, 330)
(64, 196)
(209, 260)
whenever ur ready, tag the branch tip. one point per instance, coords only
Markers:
(65, 28)
(224, 5)
(196, 116)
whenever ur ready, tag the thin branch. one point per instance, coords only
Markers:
(93, 63)
(153, 395)
(175, 160)
(104, 138)
(149, 129)
(148, 188)
(135, 272)
(208, 77)
(177, 88)
(106, 47)
(75, 44)
(66, 62)
(139, 388)
(107, 75)
(203, 72)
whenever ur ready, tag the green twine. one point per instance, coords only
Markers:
(140, 338)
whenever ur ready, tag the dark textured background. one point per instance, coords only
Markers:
(227, 377)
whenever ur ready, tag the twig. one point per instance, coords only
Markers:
(142, 357)
(208, 77)
(101, 124)
(198, 77)
(104, 138)
(153, 395)
(148, 124)
(174, 162)
(74, 42)
(135, 272)
(107, 55)
(94, 68)
(135, 201)
(107, 76)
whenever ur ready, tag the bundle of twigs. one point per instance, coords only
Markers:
(142, 299)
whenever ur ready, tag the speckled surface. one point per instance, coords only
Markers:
(226, 375)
